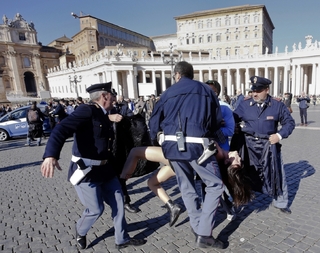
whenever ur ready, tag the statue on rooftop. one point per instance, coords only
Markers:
(5, 19)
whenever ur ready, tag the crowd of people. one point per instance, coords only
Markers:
(231, 145)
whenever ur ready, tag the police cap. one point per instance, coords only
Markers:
(100, 87)
(259, 83)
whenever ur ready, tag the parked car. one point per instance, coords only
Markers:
(14, 123)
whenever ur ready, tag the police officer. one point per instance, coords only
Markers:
(188, 113)
(261, 151)
(92, 147)
(59, 113)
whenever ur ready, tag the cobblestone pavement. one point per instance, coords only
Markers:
(38, 215)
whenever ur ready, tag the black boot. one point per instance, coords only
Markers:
(174, 210)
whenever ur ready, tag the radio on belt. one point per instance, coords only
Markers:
(181, 141)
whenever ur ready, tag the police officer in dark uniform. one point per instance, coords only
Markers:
(260, 116)
(59, 111)
(188, 113)
(91, 151)
(120, 109)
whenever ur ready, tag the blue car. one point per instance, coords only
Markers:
(14, 123)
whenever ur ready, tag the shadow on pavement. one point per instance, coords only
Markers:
(20, 166)
(294, 173)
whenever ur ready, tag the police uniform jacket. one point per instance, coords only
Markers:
(188, 106)
(258, 123)
(60, 112)
(93, 139)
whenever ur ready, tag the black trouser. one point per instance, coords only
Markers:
(303, 115)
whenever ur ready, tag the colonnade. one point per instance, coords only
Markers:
(291, 72)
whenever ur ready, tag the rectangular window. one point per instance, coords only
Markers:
(22, 36)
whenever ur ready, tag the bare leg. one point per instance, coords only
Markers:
(153, 154)
(155, 181)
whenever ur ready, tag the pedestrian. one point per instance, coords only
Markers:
(59, 111)
(238, 99)
(189, 113)
(227, 127)
(258, 141)
(303, 101)
(35, 120)
(91, 151)
(288, 100)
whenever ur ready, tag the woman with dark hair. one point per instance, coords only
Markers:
(230, 166)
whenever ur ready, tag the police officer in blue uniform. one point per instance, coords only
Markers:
(260, 116)
(189, 113)
(91, 151)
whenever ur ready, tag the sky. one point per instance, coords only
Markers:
(292, 19)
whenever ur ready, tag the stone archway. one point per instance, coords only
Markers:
(31, 88)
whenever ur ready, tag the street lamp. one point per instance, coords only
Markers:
(171, 61)
(75, 81)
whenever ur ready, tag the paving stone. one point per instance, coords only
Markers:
(38, 215)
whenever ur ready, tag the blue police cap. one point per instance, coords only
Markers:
(100, 87)
(259, 83)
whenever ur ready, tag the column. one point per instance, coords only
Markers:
(163, 81)
(229, 87)
(130, 84)
(266, 73)
(298, 80)
(210, 74)
(154, 82)
(200, 75)
(293, 80)
(317, 87)
(247, 78)
(276, 82)
(144, 76)
(115, 83)
(314, 77)
(286, 87)
(238, 80)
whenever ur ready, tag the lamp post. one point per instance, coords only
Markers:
(171, 61)
(76, 79)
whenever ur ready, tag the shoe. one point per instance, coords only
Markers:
(232, 215)
(209, 242)
(39, 144)
(81, 240)
(27, 144)
(174, 210)
(130, 208)
(131, 242)
(285, 210)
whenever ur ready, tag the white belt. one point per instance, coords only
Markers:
(188, 139)
(89, 162)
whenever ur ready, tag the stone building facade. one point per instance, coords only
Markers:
(232, 31)
(292, 71)
(23, 62)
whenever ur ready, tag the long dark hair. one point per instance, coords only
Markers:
(235, 179)
(239, 186)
